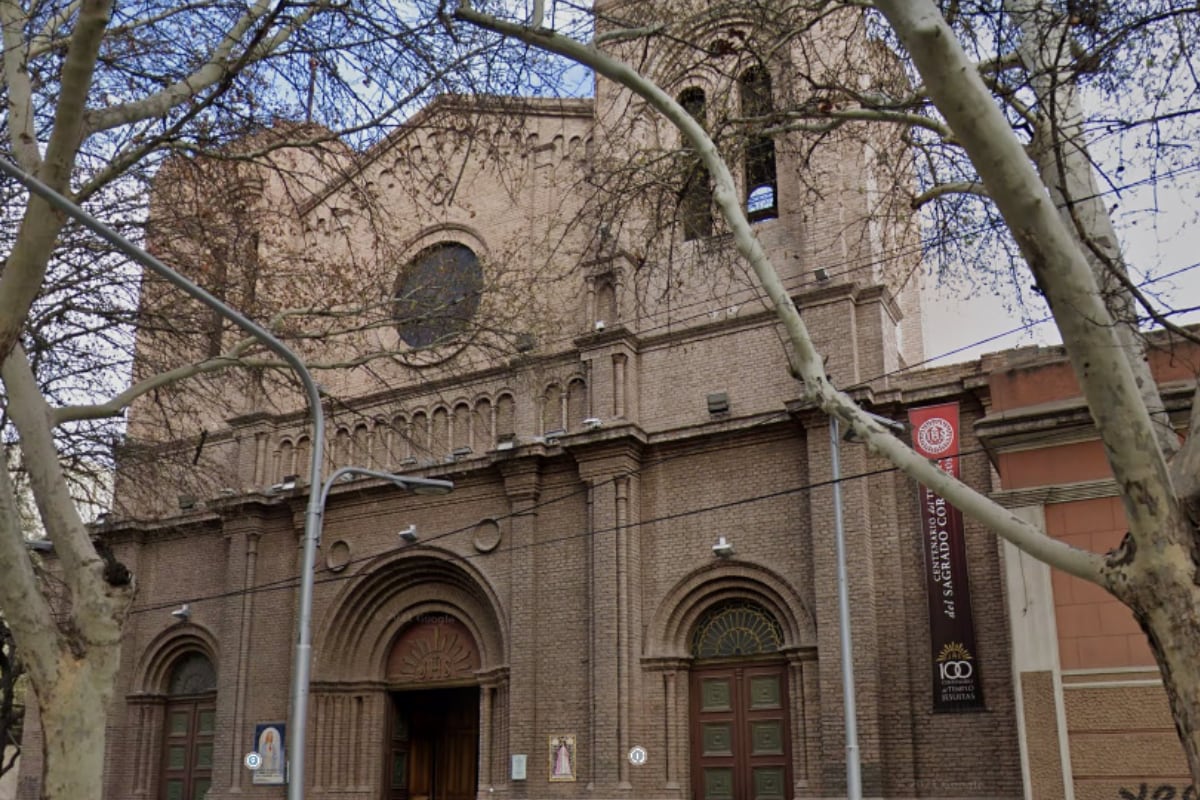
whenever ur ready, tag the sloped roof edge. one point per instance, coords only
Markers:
(483, 104)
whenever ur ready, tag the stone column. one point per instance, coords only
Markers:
(805, 717)
(146, 711)
(670, 752)
(493, 753)
(1037, 672)
(522, 484)
(813, 735)
(242, 533)
(610, 471)
(347, 739)
(249, 540)
(485, 737)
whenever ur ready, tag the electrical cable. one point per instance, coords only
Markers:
(293, 580)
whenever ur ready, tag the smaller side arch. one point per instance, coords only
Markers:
(552, 408)
(439, 431)
(284, 459)
(577, 403)
(160, 656)
(460, 425)
(681, 608)
(506, 415)
(483, 436)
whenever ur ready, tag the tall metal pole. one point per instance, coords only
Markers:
(853, 770)
(312, 517)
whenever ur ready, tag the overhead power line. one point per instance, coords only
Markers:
(293, 581)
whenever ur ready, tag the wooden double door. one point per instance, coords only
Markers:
(433, 751)
(187, 758)
(740, 732)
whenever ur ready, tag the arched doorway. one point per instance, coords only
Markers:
(433, 732)
(190, 723)
(739, 722)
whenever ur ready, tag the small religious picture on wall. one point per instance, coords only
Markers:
(269, 744)
(562, 757)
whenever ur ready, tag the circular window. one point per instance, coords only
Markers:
(437, 294)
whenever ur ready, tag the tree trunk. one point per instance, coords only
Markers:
(1166, 603)
(74, 715)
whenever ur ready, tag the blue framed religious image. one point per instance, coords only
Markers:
(269, 742)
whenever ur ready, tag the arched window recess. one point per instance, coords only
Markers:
(736, 629)
(762, 195)
(695, 194)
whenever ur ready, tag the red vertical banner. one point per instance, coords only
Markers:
(954, 664)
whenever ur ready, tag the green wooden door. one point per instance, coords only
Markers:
(741, 743)
(188, 748)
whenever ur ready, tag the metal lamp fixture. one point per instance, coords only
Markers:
(424, 486)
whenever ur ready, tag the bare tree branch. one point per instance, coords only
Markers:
(943, 189)
(213, 71)
(26, 266)
(20, 92)
(93, 596)
(806, 362)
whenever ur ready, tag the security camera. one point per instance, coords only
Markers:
(286, 485)
(599, 324)
(183, 613)
(592, 423)
(409, 534)
(723, 548)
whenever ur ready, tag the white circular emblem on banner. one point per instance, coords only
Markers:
(253, 760)
(637, 756)
(935, 435)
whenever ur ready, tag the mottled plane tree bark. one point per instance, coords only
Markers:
(11, 708)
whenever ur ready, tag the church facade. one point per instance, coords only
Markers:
(631, 591)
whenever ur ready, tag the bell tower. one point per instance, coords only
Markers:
(828, 198)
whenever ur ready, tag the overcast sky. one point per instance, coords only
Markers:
(1158, 224)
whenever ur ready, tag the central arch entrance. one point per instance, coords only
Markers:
(433, 729)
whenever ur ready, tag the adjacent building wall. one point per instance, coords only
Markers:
(1094, 720)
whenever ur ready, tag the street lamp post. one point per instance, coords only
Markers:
(312, 517)
(303, 664)
(849, 702)
(853, 769)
